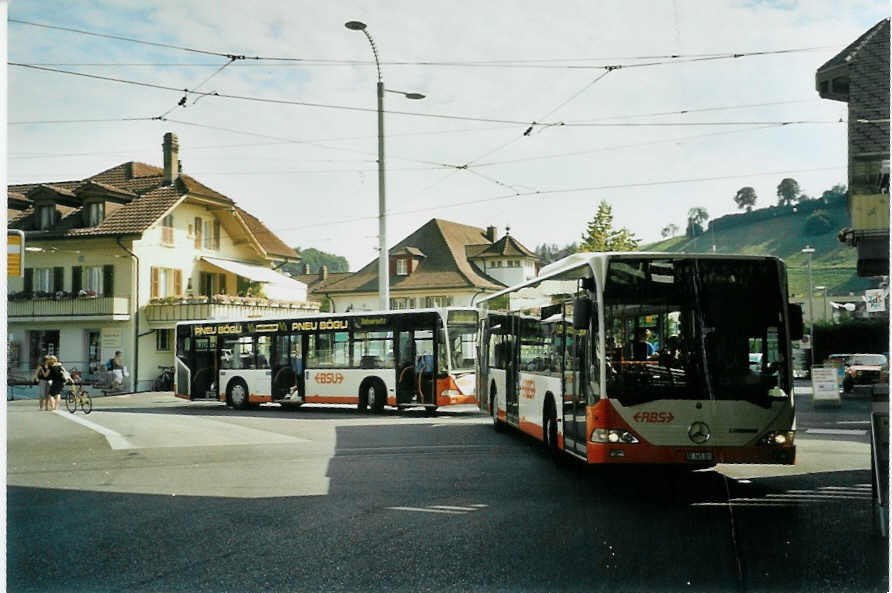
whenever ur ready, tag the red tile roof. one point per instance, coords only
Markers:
(445, 265)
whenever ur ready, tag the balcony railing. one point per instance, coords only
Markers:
(191, 309)
(68, 307)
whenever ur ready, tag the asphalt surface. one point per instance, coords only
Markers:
(407, 503)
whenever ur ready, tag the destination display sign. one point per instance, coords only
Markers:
(231, 329)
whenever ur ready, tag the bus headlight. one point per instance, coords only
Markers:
(778, 438)
(612, 435)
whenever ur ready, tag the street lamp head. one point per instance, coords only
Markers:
(414, 96)
(355, 25)
(820, 287)
(808, 250)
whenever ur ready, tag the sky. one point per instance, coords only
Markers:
(297, 148)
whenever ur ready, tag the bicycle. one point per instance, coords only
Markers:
(77, 395)
(164, 381)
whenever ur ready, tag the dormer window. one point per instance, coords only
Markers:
(47, 217)
(402, 267)
(95, 213)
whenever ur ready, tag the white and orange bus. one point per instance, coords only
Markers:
(421, 357)
(645, 358)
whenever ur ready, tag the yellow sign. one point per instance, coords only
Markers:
(15, 254)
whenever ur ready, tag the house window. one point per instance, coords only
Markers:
(167, 230)
(166, 282)
(94, 279)
(210, 234)
(402, 267)
(47, 217)
(95, 213)
(438, 301)
(212, 284)
(43, 279)
(163, 340)
(402, 303)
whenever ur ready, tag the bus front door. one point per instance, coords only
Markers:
(204, 365)
(415, 367)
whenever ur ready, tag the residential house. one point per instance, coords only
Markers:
(859, 76)
(115, 260)
(441, 264)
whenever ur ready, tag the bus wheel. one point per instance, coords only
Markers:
(494, 413)
(377, 396)
(430, 411)
(237, 394)
(364, 393)
(549, 430)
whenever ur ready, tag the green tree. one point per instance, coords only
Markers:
(818, 223)
(696, 217)
(670, 230)
(316, 259)
(787, 191)
(551, 253)
(746, 198)
(601, 236)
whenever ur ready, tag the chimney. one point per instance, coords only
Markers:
(171, 148)
(323, 272)
(306, 269)
(491, 233)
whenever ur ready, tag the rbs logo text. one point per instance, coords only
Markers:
(329, 378)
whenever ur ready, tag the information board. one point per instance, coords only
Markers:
(825, 385)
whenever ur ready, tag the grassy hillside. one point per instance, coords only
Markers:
(833, 263)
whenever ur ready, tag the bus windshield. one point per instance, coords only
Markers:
(688, 328)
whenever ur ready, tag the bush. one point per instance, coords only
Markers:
(853, 336)
(818, 223)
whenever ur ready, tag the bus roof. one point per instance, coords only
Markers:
(596, 259)
(441, 310)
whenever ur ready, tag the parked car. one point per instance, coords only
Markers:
(865, 369)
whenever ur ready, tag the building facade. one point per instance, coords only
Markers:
(442, 263)
(859, 76)
(114, 261)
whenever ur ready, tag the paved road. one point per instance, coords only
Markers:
(163, 495)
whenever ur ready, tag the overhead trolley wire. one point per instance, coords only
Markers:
(657, 59)
(565, 191)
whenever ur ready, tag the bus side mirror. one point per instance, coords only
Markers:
(582, 311)
(797, 326)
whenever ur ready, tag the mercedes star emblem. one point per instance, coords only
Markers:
(699, 432)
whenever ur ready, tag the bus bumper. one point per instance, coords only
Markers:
(644, 453)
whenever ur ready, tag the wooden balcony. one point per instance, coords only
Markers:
(189, 310)
(117, 308)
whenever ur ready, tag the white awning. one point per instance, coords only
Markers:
(278, 286)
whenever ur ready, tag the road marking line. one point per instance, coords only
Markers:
(840, 431)
(863, 422)
(417, 510)
(451, 508)
(115, 439)
(817, 496)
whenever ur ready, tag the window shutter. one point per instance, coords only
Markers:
(216, 234)
(29, 279)
(108, 280)
(154, 290)
(197, 232)
(58, 278)
(178, 282)
(77, 274)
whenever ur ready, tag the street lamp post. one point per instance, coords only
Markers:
(824, 315)
(383, 263)
(811, 309)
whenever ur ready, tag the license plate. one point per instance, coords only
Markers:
(698, 456)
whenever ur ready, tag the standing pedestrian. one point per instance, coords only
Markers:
(42, 376)
(57, 380)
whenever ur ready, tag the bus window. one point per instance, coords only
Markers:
(262, 349)
(372, 350)
(329, 350)
(237, 353)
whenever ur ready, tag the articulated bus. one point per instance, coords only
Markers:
(421, 357)
(619, 358)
